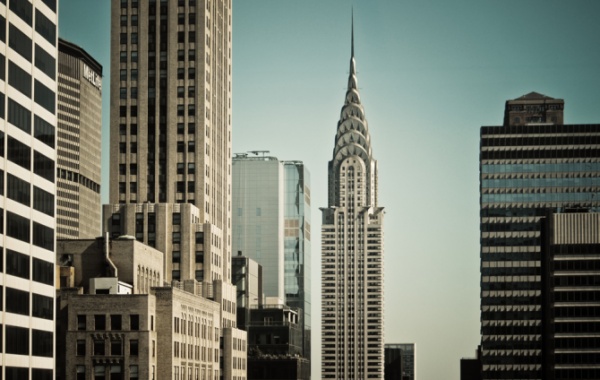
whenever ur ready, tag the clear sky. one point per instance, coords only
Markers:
(430, 73)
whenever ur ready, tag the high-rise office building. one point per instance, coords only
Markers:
(171, 107)
(571, 295)
(532, 165)
(171, 141)
(352, 251)
(79, 143)
(400, 361)
(28, 56)
(271, 224)
(258, 211)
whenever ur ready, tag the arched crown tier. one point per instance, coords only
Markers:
(352, 139)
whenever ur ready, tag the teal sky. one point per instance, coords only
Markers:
(430, 74)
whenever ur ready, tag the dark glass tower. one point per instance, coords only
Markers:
(532, 165)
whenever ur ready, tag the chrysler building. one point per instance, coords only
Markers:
(352, 250)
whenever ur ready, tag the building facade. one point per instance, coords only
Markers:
(271, 224)
(170, 183)
(400, 361)
(297, 244)
(352, 251)
(531, 165)
(247, 278)
(28, 50)
(258, 216)
(275, 344)
(170, 118)
(79, 140)
(571, 299)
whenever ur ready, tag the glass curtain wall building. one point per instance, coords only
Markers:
(271, 224)
(297, 252)
(531, 165)
(28, 64)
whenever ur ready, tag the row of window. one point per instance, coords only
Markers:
(116, 322)
(17, 302)
(18, 264)
(100, 345)
(20, 190)
(17, 341)
(20, 154)
(19, 227)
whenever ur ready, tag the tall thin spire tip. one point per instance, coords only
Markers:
(352, 47)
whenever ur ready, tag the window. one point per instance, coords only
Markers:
(99, 322)
(23, 9)
(17, 341)
(43, 166)
(99, 347)
(18, 190)
(2, 29)
(17, 264)
(41, 374)
(133, 372)
(19, 116)
(43, 237)
(19, 42)
(80, 371)
(19, 79)
(176, 218)
(17, 301)
(43, 131)
(81, 322)
(199, 257)
(115, 322)
(44, 96)
(43, 343)
(99, 372)
(43, 271)
(176, 256)
(176, 237)
(191, 146)
(45, 62)
(42, 306)
(133, 347)
(19, 153)
(80, 347)
(45, 27)
(134, 322)
(116, 348)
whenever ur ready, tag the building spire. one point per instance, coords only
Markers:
(352, 49)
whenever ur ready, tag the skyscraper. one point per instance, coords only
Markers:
(170, 180)
(571, 295)
(400, 361)
(532, 165)
(171, 111)
(28, 56)
(79, 143)
(271, 224)
(352, 251)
